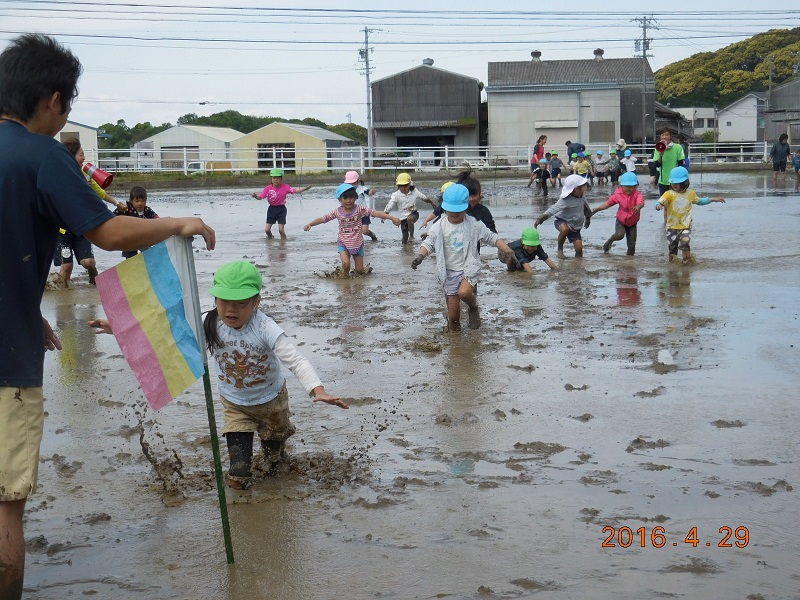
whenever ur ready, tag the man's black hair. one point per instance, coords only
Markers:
(32, 68)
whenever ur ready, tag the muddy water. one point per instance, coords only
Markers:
(617, 393)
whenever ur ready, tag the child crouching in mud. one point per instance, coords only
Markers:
(678, 202)
(455, 241)
(351, 232)
(249, 349)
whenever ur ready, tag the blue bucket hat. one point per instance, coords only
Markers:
(343, 188)
(678, 175)
(581, 155)
(629, 179)
(627, 152)
(455, 198)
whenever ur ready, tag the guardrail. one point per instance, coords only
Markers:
(442, 158)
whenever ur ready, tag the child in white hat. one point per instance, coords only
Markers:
(571, 213)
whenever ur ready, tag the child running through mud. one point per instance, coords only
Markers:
(678, 203)
(249, 349)
(571, 213)
(455, 240)
(276, 193)
(351, 233)
(630, 202)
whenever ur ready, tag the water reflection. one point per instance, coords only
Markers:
(628, 292)
(674, 290)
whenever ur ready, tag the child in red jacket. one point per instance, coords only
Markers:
(630, 202)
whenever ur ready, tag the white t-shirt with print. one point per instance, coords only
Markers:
(454, 252)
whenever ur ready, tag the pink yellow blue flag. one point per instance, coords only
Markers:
(153, 312)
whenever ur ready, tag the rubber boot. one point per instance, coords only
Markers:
(240, 451)
(274, 451)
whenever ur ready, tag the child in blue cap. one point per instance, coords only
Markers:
(351, 233)
(678, 202)
(630, 203)
(455, 241)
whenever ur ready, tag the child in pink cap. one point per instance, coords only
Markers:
(364, 199)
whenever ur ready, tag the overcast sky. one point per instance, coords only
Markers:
(156, 60)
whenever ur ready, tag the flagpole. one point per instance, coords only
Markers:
(212, 420)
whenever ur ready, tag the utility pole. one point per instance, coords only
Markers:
(363, 55)
(771, 60)
(644, 46)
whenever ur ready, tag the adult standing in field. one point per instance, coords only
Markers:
(41, 190)
(670, 156)
(538, 152)
(779, 153)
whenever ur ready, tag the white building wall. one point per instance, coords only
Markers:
(519, 118)
(86, 135)
(739, 122)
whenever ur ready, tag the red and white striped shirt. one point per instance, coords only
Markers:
(350, 235)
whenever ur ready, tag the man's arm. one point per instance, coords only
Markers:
(130, 233)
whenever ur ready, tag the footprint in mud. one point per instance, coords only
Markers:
(652, 393)
(62, 467)
(599, 478)
(641, 443)
(727, 424)
(696, 566)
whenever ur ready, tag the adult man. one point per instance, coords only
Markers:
(779, 154)
(41, 190)
(665, 161)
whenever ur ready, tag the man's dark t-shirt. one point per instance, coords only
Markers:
(41, 190)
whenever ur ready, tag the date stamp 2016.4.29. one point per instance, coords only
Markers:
(657, 537)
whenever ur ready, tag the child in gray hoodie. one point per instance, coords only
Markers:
(571, 213)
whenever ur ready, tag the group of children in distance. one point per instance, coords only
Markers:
(604, 169)
(249, 347)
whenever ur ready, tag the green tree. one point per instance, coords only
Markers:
(352, 131)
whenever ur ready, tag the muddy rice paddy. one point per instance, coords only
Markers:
(621, 428)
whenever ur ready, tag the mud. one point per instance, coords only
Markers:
(617, 392)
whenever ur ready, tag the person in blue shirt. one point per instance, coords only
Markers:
(42, 189)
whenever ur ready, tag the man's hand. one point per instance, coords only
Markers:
(190, 226)
(51, 341)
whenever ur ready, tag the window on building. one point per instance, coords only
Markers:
(280, 155)
(699, 123)
(711, 123)
(728, 124)
(601, 131)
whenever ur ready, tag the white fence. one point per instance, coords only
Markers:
(497, 158)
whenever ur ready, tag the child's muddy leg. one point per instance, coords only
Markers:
(563, 230)
(453, 313)
(345, 256)
(578, 244)
(359, 264)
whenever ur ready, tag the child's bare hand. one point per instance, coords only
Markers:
(307, 228)
(718, 200)
(328, 399)
(100, 326)
(659, 207)
(396, 221)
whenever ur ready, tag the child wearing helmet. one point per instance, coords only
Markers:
(613, 168)
(628, 162)
(630, 203)
(677, 203)
(540, 175)
(364, 199)
(405, 200)
(276, 193)
(601, 167)
(556, 165)
(571, 213)
(351, 233)
(250, 350)
(525, 251)
(455, 238)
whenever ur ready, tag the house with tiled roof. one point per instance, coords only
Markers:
(593, 101)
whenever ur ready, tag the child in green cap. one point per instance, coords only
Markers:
(249, 350)
(524, 251)
(276, 193)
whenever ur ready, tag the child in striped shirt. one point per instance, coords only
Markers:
(351, 236)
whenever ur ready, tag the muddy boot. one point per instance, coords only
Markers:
(240, 451)
(474, 321)
(274, 452)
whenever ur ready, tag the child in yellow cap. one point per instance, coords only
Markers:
(405, 200)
